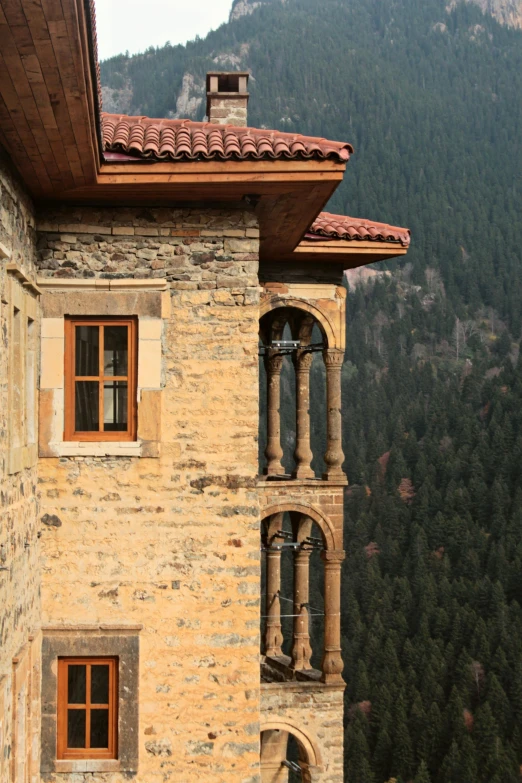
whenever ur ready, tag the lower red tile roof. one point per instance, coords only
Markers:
(142, 137)
(350, 228)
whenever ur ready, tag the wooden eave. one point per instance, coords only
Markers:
(347, 253)
(50, 126)
(48, 112)
(287, 194)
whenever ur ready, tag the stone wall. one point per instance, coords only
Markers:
(313, 713)
(170, 543)
(19, 546)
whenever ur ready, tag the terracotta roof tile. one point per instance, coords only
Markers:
(350, 228)
(142, 137)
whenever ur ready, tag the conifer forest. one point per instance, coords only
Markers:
(430, 95)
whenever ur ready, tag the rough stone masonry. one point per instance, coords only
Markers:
(170, 543)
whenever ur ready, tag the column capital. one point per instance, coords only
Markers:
(273, 361)
(303, 360)
(333, 556)
(333, 357)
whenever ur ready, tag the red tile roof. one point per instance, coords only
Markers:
(349, 228)
(142, 137)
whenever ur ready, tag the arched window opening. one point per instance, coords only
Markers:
(292, 612)
(300, 421)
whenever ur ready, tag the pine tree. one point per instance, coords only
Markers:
(423, 775)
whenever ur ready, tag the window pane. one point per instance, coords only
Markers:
(75, 728)
(99, 728)
(76, 680)
(115, 396)
(87, 416)
(87, 350)
(100, 684)
(115, 350)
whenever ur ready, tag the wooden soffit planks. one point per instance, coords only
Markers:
(47, 112)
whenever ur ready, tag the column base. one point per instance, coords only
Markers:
(303, 473)
(332, 679)
(277, 471)
(335, 474)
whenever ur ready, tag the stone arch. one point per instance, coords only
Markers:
(307, 743)
(322, 521)
(327, 327)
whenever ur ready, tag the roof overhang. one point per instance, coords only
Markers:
(50, 125)
(287, 194)
(348, 254)
(49, 118)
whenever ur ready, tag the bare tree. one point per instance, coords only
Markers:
(462, 332)
(380, 320)
(434, 281)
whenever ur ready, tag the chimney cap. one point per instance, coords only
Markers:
(228, 81)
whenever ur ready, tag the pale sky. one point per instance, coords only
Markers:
(134, 25)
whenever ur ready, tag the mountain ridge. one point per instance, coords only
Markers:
(508, 12)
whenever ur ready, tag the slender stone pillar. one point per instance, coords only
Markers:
(334, 457)
(303, 453)
(273, 451)
(301, 648)
(273, 634)
(332, 663)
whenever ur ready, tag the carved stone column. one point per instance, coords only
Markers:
(273, 634)
(273, 451)
(303, 453)
(301, 648)
(332, 663)
(334, 456)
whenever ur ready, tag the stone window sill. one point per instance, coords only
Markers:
(97, 448)
(87, 765)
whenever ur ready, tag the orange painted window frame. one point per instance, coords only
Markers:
(62, 751)
(70, 380)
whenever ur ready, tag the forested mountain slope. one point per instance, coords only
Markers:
(429, 93)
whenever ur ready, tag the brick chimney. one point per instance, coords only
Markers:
(227, 97)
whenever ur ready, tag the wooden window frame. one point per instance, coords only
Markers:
(70, 433)
(62, 751)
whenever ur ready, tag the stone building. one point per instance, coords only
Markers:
(144, 267)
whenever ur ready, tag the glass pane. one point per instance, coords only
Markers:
(87, 350)
(99, 728)
(76, 680)
(115, 406)
(87, 404)
(115, 349)
(99, 684)
(75, 728)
